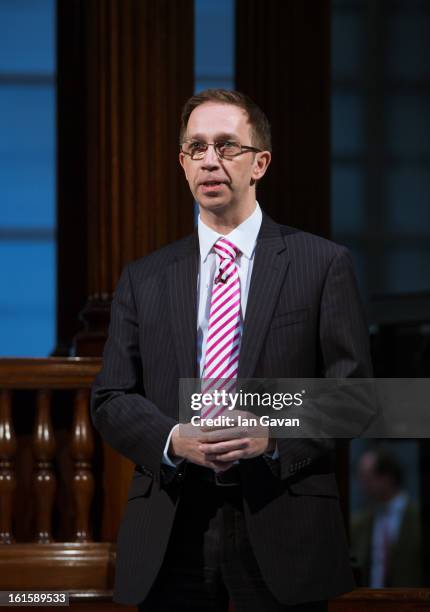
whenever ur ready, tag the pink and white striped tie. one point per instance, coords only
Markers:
(225, 326)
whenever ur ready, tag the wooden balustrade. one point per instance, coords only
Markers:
(47, 444)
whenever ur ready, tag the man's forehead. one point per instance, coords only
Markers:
(217, 119)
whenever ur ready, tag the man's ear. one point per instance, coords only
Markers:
(261, 163)
(182, 162)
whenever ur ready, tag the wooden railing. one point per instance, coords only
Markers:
(48, 471)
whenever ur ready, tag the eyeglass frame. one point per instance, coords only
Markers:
(243, 149)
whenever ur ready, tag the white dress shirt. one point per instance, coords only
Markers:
(244, 237)
(388, 520)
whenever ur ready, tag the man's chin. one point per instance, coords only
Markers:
(211, 203)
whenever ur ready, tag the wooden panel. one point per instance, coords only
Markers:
(131, 67)
(57, 566)
(283, 63)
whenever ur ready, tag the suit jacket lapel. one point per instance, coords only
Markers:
(182, 291)
(269, 270)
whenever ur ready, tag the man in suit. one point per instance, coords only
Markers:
(220, 516)
(386, 536)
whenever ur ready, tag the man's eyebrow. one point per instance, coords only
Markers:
(217, 137)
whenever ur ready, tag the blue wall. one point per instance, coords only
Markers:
(27, 177)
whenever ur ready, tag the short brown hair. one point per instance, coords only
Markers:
(260, 126)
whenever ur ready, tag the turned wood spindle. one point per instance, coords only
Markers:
(7, 467)
(83, 479)
(44, 480)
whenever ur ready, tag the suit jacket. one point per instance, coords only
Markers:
(303, 319)
(405, 563)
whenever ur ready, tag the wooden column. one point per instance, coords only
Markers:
(283, 63)
(132, 62)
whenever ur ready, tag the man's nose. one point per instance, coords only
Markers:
(210, 159)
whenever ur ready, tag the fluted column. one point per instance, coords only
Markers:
(135, 61)
(283, 62)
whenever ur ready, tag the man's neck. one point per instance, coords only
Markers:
(389, 495)
(225, 222)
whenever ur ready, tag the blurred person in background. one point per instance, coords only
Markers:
(386, 535)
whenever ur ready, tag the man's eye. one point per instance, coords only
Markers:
(196, 146)
(229, 147)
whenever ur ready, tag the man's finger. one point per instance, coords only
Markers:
(223, 447)
(219, 435)
(230, 457)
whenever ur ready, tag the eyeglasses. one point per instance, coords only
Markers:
(225, 149)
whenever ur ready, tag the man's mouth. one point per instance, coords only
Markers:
(209, 187)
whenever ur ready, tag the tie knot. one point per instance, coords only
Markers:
(226, 249)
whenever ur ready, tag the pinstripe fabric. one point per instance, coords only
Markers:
(303, 319)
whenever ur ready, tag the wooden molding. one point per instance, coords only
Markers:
(49, 373)
(57, 566)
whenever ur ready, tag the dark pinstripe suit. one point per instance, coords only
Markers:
(303, 319)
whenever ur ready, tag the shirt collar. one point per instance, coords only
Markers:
(244, 236)
(396, 504)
